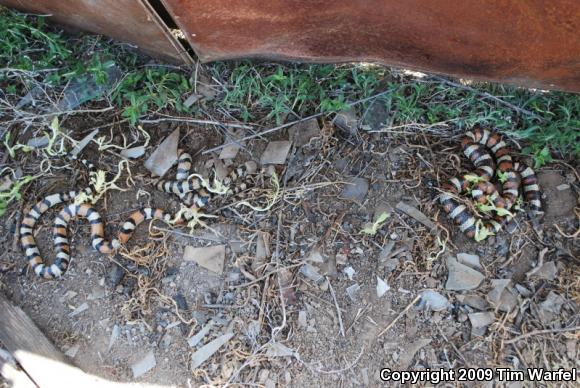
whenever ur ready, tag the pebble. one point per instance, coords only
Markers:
(302, 319)
(276, 152)
(206, 351)
(79, 309)
(355, 189)
(164, 156)
(144, 365)
(462, 277)
(469, 260)
(211, 258)
(352, 291)
(382, 287)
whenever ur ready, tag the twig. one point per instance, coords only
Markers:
(261, 133)
(195, 121)
(249, 137)
(337, 307)
(538, 332)
(399, 316)
(57, 113)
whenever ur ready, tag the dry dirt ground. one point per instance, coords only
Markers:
(299, 287)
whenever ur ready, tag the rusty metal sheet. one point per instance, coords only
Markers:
(126, 20)
(535, 43)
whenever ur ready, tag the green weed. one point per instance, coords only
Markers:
(264, 92)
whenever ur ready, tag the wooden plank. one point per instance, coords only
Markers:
(41, 360)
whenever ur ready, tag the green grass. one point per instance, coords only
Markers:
(280, 93)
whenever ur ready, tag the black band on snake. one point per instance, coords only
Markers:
(477, 145)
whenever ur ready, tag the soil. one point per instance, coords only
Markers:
(287, 331)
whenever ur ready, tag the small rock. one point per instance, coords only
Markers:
(302, 319)
(409, 351)
(80, 309)
(133, 153)
(211, 258)
(208, 350)
(276, 349)
(524, 291)
(347, 120)
(341, 259)
(231, 150)
(386, 251)
(469, 260)
(500, 296)
(550, 309)
(83, 143)
(352, 291)
(38, 142)
(301, 133)
(196, 339)
(180, 301)
(98, 293)
(480, 322)
(350, 272)
(166, 341)
(416, 214)
(276, 152)
(67, 296)
(164, 156)
(115, 275)
(192, 99)
(310, 272)
(355, 189)
(476, 301)
(483, 319)
(432, 300)
(462, 277)
(315, 256)
(558, 203)
(382, 287)
(144, 365)
(73, 350)
(114, 336)
(376, 115)
(547, 271)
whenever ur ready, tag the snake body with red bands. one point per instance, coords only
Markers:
(477, 145)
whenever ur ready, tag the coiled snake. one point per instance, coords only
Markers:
(477, 146)
(193, 192)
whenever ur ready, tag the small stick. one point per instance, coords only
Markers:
(337, 307)
(399, 316)
(291, 123)
(261, 133)
(538, 332)
(194, 121)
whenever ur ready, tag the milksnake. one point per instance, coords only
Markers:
(191, 190)
(477, 145)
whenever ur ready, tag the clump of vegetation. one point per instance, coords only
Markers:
(32, 53)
